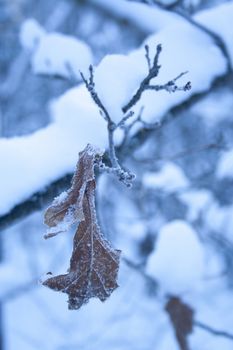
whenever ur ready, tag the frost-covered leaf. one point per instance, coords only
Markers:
(68, 207)
(93, 265)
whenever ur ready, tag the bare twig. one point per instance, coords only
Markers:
(124, 119)
(170, 86)
(127, 128)
(123, 175)
(90, 85)
(148, 57)
(216, 332)
(153, 72)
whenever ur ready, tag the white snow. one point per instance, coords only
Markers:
(197, 201)
(219, 219)
(178, 259)
(225, 165)
(31, 33)
(55, 51)
(169, 178)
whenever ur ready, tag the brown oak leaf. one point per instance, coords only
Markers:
(94, 263)
(67, 208)
(181, 316)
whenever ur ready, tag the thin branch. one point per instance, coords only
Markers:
(216, 332)
(170, 86)
(148, 57)
(90, 85)
(153, 72)
(123, 175)
(124, 119)
(127, 128)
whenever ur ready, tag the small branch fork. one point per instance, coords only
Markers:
(153, 71)
(123, 175)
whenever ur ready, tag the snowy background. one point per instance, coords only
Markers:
(174, 226)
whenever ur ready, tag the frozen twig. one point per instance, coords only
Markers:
(124, 119)
(90, 85)
(171, 86)
(153, 71)
(123, 175)
(138, 119)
